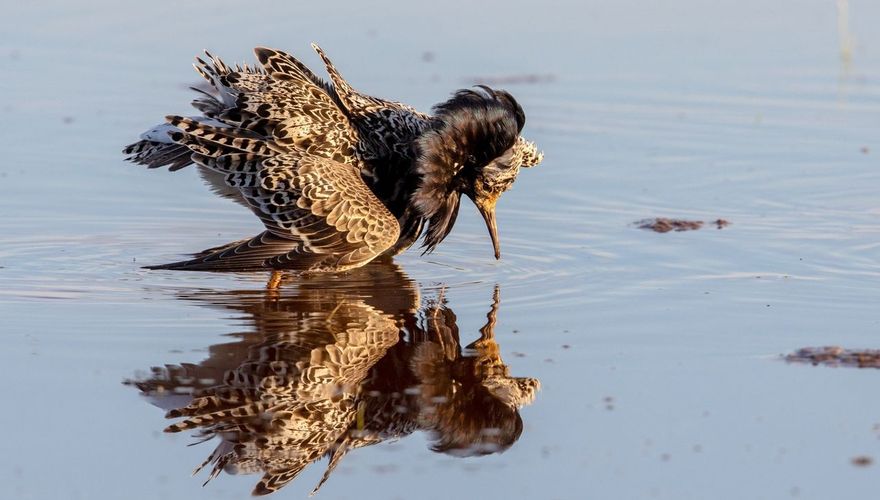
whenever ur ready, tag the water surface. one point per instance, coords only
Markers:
(657, 354)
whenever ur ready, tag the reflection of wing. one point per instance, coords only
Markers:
(319, 213)
(342, 364)
(290, 390)
(286, 397)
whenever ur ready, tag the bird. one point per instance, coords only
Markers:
(338, 178)
(338, 366)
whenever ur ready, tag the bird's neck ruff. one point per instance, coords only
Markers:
(468, 131)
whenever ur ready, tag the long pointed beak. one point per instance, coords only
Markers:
(488, 214)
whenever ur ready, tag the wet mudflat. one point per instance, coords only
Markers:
(622, 363)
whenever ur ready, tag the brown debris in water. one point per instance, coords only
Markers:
(836, 356)
(664, 225)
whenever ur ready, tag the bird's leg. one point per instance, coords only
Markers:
(274, 280)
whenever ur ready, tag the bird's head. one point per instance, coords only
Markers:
(473, 148)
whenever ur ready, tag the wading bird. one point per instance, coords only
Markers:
(337, 177)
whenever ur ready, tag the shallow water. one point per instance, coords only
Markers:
(658, 355)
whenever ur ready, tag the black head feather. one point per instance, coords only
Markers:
(469, 131)
(504, 96)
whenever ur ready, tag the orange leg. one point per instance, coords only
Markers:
(274, 280)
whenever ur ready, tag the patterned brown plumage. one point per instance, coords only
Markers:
(337, 177)
(337, 366)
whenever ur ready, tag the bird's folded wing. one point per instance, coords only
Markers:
(318, 213)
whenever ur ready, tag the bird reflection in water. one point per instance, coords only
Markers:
(338, 364)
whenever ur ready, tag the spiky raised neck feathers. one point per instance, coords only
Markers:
(469, 131)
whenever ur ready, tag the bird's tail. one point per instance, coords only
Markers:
(154, 150)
